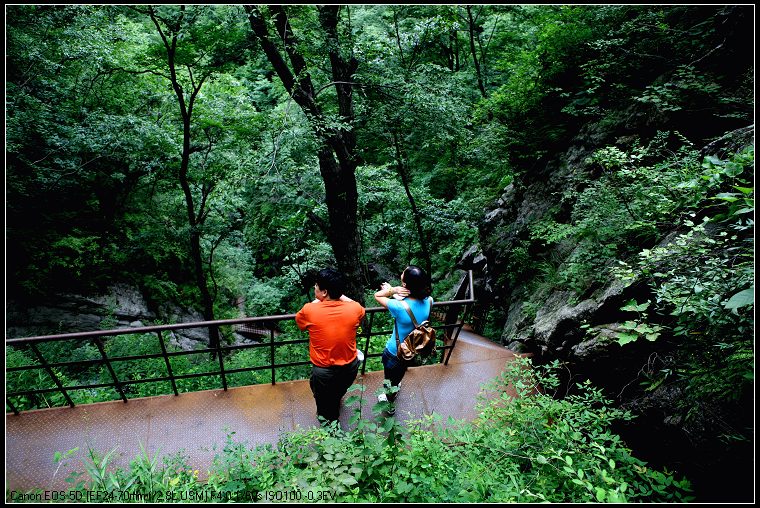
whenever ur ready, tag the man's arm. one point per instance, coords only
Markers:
(301, 320)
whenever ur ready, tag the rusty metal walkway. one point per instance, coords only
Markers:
(197, 423)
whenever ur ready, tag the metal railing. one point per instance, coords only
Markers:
(448, 317)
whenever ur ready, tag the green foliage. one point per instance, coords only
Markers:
(703, 279)
(94, 135)
(566, 445)
(525, 446)
(639, 328)
(674, 94)
(631, 203)
(99, 112)
(37, 379)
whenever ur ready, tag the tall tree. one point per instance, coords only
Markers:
(337, 152)
(403, 172)
(193, 51)
(473, 28)
(73, 162)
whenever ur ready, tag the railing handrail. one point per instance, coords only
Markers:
(452, 325)
(195, 324)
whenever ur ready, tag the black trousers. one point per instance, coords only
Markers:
(329, 385)
(394, 370)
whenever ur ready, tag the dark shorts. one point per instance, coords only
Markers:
(329, 385)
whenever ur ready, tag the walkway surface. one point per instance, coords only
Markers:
(197, 423)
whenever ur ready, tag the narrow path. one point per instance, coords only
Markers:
(198, 422)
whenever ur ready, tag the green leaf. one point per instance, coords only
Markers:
(624, 338)
(742, 298)
(726, 196)
(629, 325)
(348, 480)
(387, 424)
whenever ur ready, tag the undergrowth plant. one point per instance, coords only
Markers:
(525, 446)
(703, 284)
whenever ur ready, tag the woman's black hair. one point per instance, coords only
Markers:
(417, 282)
(331, 281)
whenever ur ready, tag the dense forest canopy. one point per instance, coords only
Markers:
(162, 145)
(209, 155)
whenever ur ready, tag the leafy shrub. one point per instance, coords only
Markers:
(525, 446)
(635, 200)
(703, 282)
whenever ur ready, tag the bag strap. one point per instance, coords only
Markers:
(409, 311)
(411, 315)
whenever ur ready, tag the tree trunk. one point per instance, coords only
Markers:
(194, 220)
(456, 51)
(337, 159)
(474, 51)
(341, 197)
(415, 213)
(398, 38)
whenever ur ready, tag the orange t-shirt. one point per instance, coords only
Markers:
(332, 331)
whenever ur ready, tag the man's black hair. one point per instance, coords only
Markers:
(331, 280)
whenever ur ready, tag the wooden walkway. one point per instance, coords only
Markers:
(197, 423)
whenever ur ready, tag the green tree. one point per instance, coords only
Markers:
(195, 46)
(336, 152)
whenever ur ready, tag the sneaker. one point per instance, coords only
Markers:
(384, 398)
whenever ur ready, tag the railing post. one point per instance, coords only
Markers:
(52, 374)
(458, 328)
(221, 359)
(366, 343)
(116, 385)
(168, 364)
(469, 294)
(271, 351)
(13, 408)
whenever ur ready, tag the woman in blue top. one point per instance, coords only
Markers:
(415, 291)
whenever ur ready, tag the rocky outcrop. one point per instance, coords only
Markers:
(581, 328)
(122, 306)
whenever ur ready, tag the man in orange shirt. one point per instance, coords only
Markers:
(332, 320)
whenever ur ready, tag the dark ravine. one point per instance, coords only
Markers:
(661, 433)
